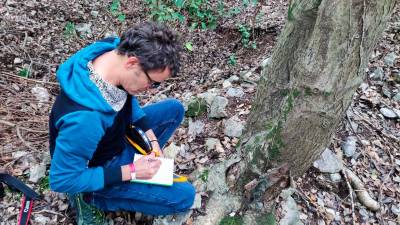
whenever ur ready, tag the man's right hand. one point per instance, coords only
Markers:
(147, 166)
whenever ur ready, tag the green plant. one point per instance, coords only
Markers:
(204, 175)
(268, 219)
(189, 46)
(25, 72)
(44, 184)
(196, 107)
(245, 36)
(232, 60)
(115, 10)
(232, 12)
(69, 29)
(165, 10)
(228, 220)
(200, 12)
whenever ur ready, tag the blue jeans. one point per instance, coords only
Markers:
(165, 117)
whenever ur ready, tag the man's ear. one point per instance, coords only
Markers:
(131, 62)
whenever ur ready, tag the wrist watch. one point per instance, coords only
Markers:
(132, 170)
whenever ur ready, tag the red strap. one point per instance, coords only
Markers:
(25, 211)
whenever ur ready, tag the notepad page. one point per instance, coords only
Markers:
(164, 175)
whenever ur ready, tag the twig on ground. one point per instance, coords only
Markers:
(381, 187)
(28, 79)
(160, 93)
(351, 196)
(23, 140)
(22, 128)
(48, 211)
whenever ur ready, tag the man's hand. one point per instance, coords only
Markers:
(147, 166)
(154, 143)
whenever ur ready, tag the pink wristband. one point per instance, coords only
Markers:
(132, 168)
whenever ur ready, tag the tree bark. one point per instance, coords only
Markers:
(317, 65)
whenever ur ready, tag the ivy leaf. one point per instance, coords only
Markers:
(179, 16)
(179, 3)
(189, 46)
(203, 25)
(121, 17)
(193, 26)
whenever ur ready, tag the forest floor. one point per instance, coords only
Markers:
(37, 36)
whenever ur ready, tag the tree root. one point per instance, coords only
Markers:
(361, 193)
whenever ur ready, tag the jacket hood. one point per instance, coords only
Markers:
(73, 76)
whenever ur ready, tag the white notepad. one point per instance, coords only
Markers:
(164, 175)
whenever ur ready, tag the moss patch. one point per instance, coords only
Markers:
(228, 220)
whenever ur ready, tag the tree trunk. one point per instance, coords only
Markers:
(317, 65)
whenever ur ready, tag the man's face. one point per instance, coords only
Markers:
(136, 80)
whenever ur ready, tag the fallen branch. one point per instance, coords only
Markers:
(361, 193)
(22, 128)
(351, 196)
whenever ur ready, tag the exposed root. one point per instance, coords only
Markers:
(361, 193)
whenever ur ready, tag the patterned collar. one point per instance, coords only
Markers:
(114, 96)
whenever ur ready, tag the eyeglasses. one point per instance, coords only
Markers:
(153, 83)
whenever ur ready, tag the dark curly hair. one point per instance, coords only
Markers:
(154, 44)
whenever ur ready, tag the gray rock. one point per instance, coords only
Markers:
(39, 219)
(211, 143)
(36, 172)
(177, 219)
(226, 84)
(233, 127)
(386, 92)
(171, 151)
(389, 59)
(349, 146)
(364, 87)
(235, 92)
(110, 34)
(233, 79)
(388, 113)
(364, 214)
(335, 177)
(215, 73)
(209, 95)
(266, 62)
(18, 154)
(397, 112)
(18, 61)
(217, 108)
(365, 142)
(197, 201)
(84, 29)
(287, 192)
(395, 209)
(41, 94)
(378, 74)
(195, 127)
(331, 213)
(396, 97)
(291, 214)
(328, 162)
(94, 13)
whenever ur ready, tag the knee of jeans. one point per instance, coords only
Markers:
(186, 198)
(177, 107)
